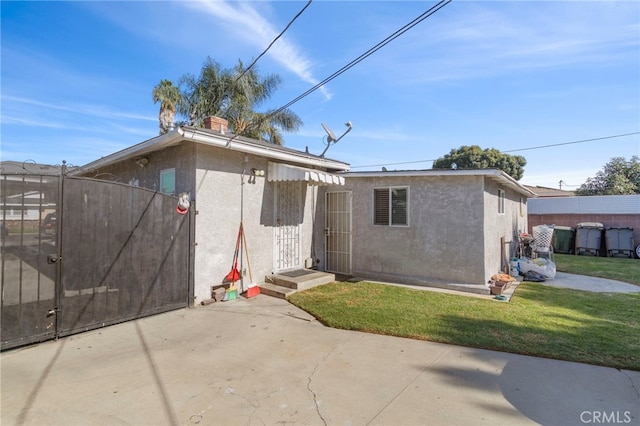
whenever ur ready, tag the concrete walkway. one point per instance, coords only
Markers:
(261, 361)
(594, 284)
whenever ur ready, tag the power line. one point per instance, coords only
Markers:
(511, 150)
(359, 59)
(274, 40)
(369, 52)
(571, 143)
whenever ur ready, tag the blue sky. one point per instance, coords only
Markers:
(77, 77)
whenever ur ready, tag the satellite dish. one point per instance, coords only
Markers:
(331, 137)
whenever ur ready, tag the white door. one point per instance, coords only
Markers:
(338, 232)
(289, 209)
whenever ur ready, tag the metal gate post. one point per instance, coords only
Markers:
(59, 291)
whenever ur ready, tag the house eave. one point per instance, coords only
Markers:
(494, 174)
(205, 137)
(271, 151)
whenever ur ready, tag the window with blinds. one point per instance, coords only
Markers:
(390, 206)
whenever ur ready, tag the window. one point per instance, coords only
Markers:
(523, 202)
(500, 201)
(168, 181)
(390, 206)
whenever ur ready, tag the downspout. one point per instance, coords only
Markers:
(245, 160)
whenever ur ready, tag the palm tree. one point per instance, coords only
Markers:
(170, 98)
(248, 92)
(206, 95)
(235, 95)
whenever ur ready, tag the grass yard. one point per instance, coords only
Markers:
(594, 328)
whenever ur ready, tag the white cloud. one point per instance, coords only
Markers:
(245, 21)
(492, 39)
(98, 111)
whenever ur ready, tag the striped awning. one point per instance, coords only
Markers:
(279, 172)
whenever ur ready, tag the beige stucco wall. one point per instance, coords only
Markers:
(219, 195)
(498, 226)
(213, 177)
(443, 241)
(181, 157)
(454, 231)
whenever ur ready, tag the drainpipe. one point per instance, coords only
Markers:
(245, 160)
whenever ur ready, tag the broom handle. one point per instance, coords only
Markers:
(246, 249)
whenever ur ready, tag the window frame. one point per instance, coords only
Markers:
(165, 172)
(390, 216)
(501, 201)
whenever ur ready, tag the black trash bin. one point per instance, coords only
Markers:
(564, 239)
(589, 238)
(619, 242)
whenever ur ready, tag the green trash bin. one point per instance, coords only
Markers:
(564, 239)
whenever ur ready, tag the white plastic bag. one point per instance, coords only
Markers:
(541, 265)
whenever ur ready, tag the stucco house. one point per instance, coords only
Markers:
(229, 179)
(451, 228)
(444, 228)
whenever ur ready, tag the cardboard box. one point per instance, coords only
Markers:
(499, 287)
(217, 294)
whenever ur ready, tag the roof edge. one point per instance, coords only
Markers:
(490, 173)
(250, 146)
(232, 142)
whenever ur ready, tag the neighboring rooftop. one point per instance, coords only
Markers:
(27, 167)
(545, 192)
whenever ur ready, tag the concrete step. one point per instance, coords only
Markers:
(282, 285)
(301, 279)
(274, 290)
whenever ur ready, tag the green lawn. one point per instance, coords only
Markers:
(594, 328)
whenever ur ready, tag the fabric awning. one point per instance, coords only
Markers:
(286, 172)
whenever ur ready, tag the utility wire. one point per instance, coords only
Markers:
(512, 150)
(274, 40)
(574, 142)
(369, 52)
(359, 59)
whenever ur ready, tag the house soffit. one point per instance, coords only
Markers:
(212, 138)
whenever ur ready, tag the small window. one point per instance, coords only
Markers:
(501, 201)
(168, 181)
(522, 204)
(390, 206)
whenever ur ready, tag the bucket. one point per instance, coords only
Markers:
(514, 267)
(513, 271)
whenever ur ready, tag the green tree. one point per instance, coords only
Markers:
(248, 92)
(617, 177)
(474, 157)
(169, 97)
(205, 95)
(235, 95)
